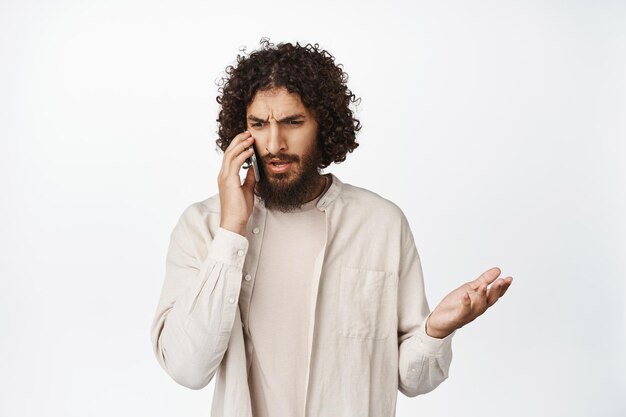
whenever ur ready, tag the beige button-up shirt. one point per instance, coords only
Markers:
(368, 309)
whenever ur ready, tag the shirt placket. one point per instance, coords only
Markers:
(317, 272)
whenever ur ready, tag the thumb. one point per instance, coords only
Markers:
(249, 181)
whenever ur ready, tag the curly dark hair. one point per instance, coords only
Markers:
(305, 70)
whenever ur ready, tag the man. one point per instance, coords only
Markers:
(302, 293)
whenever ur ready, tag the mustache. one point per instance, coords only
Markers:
(281, 156)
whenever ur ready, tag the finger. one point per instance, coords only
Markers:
(498, 289)
(236, 147)
(237, 163)
(478, 290)
(250, 180)
(482, 291)
(237, 156)
(486, 277)
(507, 284)
(494, 292)
(480, 300)
(237, 139)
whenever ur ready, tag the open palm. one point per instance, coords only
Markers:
(467, 302)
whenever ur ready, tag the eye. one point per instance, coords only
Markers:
(257, 124)
(294, 122)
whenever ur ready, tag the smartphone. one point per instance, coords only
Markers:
(251, 161)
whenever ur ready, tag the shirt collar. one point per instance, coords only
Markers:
(331, 194)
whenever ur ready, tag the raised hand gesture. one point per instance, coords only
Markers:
(466, 303)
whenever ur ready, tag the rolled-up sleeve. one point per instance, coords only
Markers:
(424, 361)
(198, 302)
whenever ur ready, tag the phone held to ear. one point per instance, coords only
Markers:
(251, 161)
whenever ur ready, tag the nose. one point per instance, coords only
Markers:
(275, 140)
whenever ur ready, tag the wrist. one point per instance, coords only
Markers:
(435, 332)
(235, 228)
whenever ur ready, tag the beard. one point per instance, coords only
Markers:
(279, 192)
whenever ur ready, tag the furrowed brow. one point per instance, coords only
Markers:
(292, 117)
(254, 118)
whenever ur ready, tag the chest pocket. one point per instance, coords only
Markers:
(367, 301)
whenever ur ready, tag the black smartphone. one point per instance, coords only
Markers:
(251, 161)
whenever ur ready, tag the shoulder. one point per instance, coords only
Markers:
(367, 207)
(369, 201)
(378, 218)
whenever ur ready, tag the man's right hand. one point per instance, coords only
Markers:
(236, 200)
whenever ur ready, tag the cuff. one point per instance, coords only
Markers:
(229, 248)
(432, 345)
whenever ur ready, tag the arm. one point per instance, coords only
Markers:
(424, 361)
(198, 302)
(199, 299)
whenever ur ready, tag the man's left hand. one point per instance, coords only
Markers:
(466, 303)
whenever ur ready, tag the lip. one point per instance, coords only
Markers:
(278, 169)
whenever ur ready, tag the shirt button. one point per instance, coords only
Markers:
(248, 277)
(240, 252)
(255, 230)
(231, 300)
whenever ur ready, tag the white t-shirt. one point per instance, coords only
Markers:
(279, 310)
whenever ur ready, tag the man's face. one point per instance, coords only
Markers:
(285, 134)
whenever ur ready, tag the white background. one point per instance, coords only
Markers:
(497, 126)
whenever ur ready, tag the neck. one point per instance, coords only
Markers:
(321, 184)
